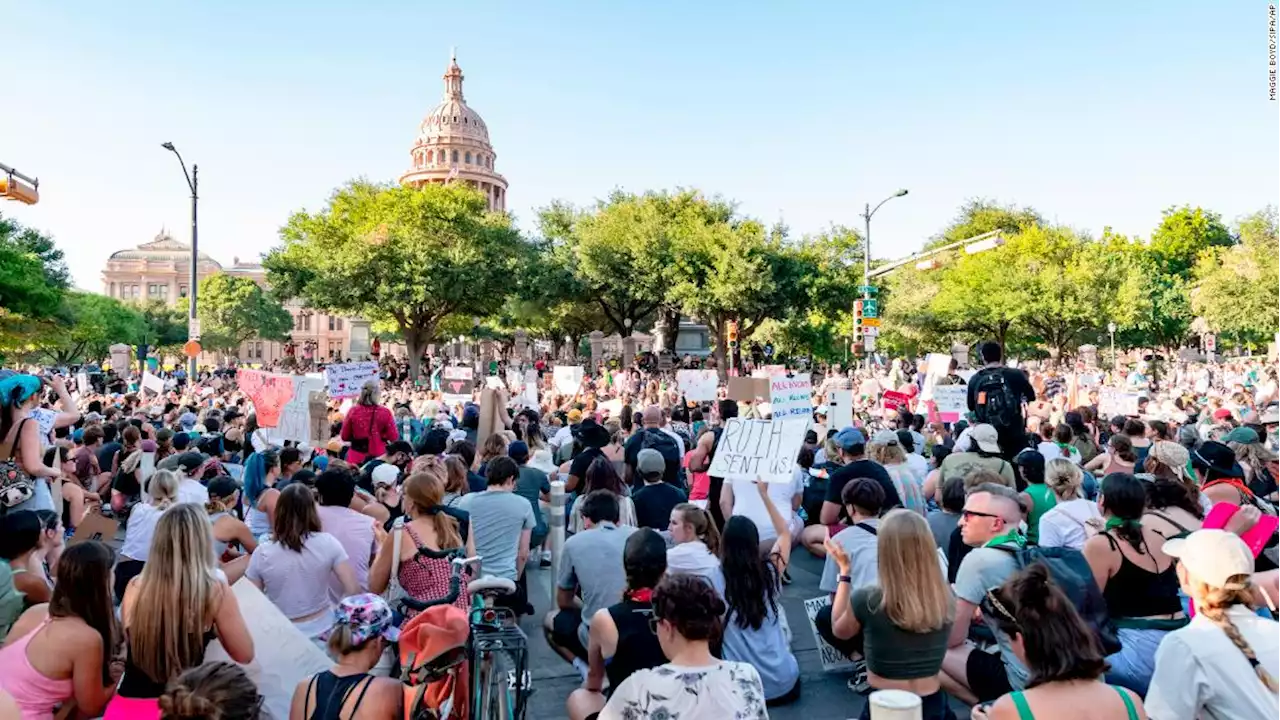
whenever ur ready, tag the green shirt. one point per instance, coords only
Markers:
(1042, 500)
(891, 652)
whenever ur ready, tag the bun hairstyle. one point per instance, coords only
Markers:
(704, 528)
(212, 691)
(1059, 646)
(689, 604)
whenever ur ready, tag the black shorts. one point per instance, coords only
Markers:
(986, 676)
(564, 631)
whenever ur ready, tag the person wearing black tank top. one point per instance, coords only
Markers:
(626, 623)
(363, 625)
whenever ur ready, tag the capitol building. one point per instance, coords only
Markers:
(452, 145)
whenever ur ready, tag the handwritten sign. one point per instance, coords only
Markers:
(298, 415)
(832, 660)
(269, 393)
(283, 656)
(568, 379)
(840, 409)
(759, 448)
(1115, 402)
(791, 396)
(698, 385)
(456, 384)
(346, 379)
(153, 383)
(951, 401)
(894, 400)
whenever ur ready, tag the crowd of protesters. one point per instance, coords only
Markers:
(1031, 558)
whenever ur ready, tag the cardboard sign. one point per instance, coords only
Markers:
(951, 402)
(666, 362)
(153, 383)
(840, 409)
(568, 379)
(283, 656)
(698, 385)
(894, 400)
(269, 393)
(759, 448)
(96, 527)
(346, 379)
(748, 389)
(490, 419)
(456, 384)
(832, 660)
(791, 396)
(1113, 402)
(296, 415)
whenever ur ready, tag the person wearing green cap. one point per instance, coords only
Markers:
(1257, 461)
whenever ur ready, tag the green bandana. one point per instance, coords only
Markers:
(1013, 537)
(1115, 522)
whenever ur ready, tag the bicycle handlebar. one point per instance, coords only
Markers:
(457, 560)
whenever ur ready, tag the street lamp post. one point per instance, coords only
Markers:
(868, 211)
(193, 182)
(1111, 329)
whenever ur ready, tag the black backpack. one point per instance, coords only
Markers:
(655, 439)
(997, 404)
(1071, 572)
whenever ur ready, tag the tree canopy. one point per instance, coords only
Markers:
(233, 309)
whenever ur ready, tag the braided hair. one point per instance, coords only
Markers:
(1212, 602)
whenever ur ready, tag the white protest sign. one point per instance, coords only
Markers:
(82, 382)
(951, 400)
(698, 385)
(531, 388)
(295, 416)
(515, 380)
(493, 382)
(612, 407)
(153, 383)
(759, 448)
(282, 655)
(346, 379)
(791, 396)
(938, 365)
(568, 379)
(839, 409)
(1115, 402)
(456, 383)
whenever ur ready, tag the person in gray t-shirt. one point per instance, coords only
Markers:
(591, 562)
(501, 522)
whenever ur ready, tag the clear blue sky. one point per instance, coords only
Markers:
(1096, 113)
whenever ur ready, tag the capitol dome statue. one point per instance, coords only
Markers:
(453, 145)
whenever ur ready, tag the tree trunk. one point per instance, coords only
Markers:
(671, 328)
(718, 349)
(415, 341)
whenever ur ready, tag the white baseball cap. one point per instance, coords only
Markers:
(385, 474)
(985, 437)
(1212, 556)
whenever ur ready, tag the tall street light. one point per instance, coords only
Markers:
(866, 242)
(193, 182)
(1111, 328)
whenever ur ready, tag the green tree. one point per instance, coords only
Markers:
(165, 327)
(408, 256)
(86, 327)
(979, 215)
(33, 279)
(1238, 288)
(1184, 233)
(233, 309)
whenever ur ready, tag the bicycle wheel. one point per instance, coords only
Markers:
(482, 688)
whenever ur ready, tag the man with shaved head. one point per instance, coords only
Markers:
(653, 436)
(991, 523)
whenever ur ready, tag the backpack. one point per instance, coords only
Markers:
(1071, 572)
(655, 439)
(997, 404)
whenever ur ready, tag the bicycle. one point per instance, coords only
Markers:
(497, 650)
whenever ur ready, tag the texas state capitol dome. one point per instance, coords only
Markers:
(453, 145)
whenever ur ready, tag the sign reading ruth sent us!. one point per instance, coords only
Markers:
(759, 448)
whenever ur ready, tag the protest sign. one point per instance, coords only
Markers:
(531, 388)
(951, 401)
(1113, 402)
(493, 382)
(759, 448)
(296, 414)
(346, 379)
(840, 409)
(568, 379)
(82, 382)
(748, 389)
(96, 527)
(937, 368)
(698, 385)
(269, 393)
(613, 408)
(153, 383)
(894, 400)
(515, 380)
(456, 384)
(832, 660)
(282, 655)
(791, 396)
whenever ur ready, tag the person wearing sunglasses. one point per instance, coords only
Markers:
(1061, 653)
(990, 524)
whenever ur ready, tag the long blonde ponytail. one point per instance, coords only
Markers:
(1212, 602)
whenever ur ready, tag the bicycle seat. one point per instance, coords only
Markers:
(492, 585)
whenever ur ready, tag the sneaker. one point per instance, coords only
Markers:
(581, 666)
(858, 683)
(545, 560)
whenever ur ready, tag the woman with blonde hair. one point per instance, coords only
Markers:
(903, 621)
(886, 449)
(494, 446)
(1074, 518)
(1224, 663)
(228, 530)
(695, 545)
(172, 611)
(425, 526)
(455, 485)
(162, 493)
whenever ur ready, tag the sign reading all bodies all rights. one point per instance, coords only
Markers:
(759, 448)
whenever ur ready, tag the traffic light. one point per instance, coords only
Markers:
(857, 320)
(14, 189)
(732, 332)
